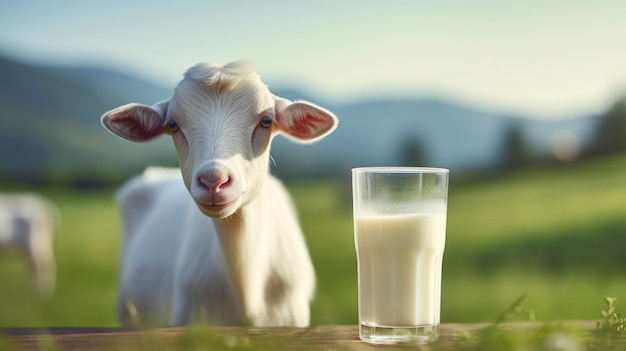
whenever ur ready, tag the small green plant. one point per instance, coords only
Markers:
(609, 333)
(495, 336)
(611, 321)
(516, 308)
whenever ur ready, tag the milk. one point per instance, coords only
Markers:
(400, 259)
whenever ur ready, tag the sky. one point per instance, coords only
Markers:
(542, 58)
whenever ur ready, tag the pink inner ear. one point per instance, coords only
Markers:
(307, 122)
(136, 123)
(309, 126)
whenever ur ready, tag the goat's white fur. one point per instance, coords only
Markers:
(233, 250)
(27, 225)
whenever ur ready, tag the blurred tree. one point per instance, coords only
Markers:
(515, 152)
(610, 135)
(413, 153)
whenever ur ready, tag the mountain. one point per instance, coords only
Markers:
(461, 138)
(51, 124)
(51, 129)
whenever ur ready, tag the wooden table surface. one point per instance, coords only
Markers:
(333, 337)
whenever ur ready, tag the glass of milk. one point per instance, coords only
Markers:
(400, 233)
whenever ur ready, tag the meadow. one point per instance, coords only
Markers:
(555, 234)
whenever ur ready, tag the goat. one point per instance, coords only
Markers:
(220, 235)
(27, 225)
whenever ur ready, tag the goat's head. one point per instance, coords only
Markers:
(222, 120)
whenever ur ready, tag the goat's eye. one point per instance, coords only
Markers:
(266, 122)
(173, 126)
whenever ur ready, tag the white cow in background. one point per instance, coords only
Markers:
(220, 236)
(27, 226)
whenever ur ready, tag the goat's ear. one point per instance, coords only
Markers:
(136, 122)
(303, 121)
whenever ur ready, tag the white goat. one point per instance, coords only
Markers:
(27, 225)
(241, 258)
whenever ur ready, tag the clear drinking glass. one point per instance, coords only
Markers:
(399, 231)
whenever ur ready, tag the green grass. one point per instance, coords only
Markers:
(87, 249)
(554, 234)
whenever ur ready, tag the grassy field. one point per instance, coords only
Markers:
(554, 234)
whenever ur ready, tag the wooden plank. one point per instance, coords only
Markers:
(337, 337)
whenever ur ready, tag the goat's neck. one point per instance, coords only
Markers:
(239, 237)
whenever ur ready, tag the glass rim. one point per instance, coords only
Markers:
(399, 169)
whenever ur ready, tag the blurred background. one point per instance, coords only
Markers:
(523, 101)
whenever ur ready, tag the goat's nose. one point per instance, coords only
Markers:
(215, 183)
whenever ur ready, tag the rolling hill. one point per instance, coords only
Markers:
(51, 129)
(51, 125)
